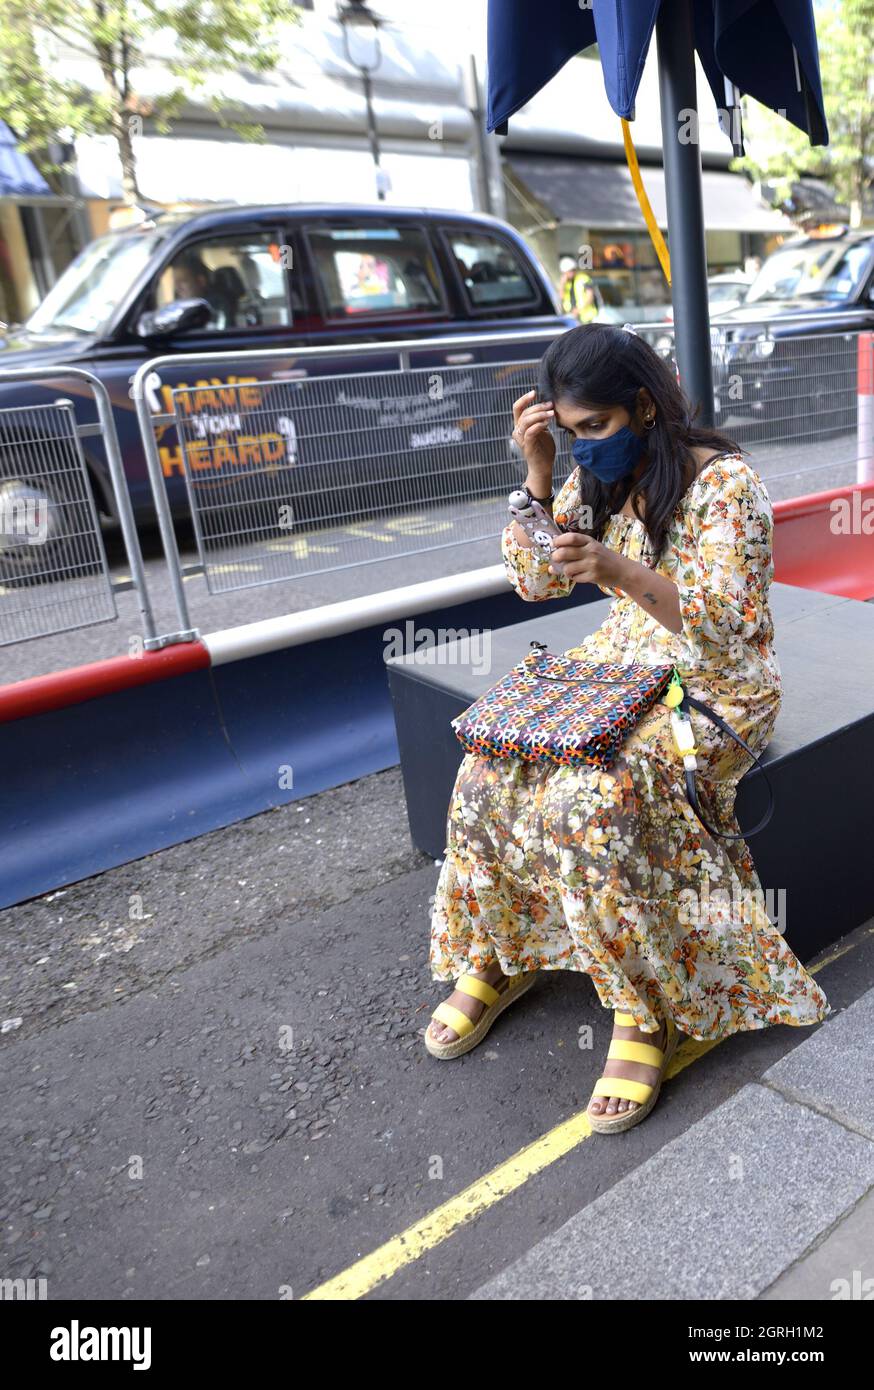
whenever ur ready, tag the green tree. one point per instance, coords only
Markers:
(192, 43)
(847, 45)
(779, 153)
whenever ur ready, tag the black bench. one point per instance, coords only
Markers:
(818, 846)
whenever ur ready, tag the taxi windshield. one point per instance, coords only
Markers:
(87, 294)
(816, 269)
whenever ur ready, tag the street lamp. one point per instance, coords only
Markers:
(356, 15)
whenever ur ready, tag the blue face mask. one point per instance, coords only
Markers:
(610, 458)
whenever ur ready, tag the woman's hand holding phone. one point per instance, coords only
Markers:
(586, 561)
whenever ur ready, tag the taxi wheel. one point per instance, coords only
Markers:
(42, 539)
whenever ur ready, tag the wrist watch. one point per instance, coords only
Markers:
(542, 500)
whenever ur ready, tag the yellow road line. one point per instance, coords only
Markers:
(841, 951)
(237, 566)
(423, 1235)
(404, 1249)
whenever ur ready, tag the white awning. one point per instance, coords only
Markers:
(173, 169)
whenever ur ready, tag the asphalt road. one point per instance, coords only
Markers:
(214, 1083)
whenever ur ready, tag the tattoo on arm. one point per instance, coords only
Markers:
(651, 598)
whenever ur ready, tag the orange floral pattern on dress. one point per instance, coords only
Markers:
(609, 872)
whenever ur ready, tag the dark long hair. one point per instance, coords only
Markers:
(598, 365)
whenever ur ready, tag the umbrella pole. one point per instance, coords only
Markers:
(676, 55)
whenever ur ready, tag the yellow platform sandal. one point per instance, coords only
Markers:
(496, 1001)
(627, 1050)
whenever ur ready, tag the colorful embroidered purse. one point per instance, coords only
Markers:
(567, 712)
(564, 711)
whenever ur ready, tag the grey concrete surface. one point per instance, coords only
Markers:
(834, 1071)
(780, 1206)
(838, 1267)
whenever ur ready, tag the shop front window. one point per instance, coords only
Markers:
(626, 270)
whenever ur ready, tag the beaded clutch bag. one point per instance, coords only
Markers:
(560, 710)
(555, 709)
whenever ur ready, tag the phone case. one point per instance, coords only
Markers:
(536, 522)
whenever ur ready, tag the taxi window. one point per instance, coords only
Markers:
(241, 278)
(492, 273)
(843, 277)
(375, 270)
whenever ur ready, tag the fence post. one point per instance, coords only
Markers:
(162, 507)
(865, 414)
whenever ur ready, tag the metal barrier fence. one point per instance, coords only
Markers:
(244, 485)
(54, 575)
(299, 477)
(774, 390)
(292, 475)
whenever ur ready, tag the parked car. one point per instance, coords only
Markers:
(727, 291)
(724, 292)
(240, 278)
(788, 354)
(789, 351)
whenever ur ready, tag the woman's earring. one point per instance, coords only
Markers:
(649, 421)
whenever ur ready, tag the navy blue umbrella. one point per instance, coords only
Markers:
(768, 49)
(763, 48)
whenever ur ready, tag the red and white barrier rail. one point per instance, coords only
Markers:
(39, 694)
(825, 541)
(333, 619)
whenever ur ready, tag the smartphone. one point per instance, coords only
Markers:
(535, 521)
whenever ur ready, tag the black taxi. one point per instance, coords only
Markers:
(234, 279)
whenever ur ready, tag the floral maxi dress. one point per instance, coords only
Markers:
(610, 871)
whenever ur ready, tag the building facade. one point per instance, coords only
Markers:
(569, 190)
(559, 175)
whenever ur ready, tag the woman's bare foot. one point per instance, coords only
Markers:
(466, 1004)
(632, 1071)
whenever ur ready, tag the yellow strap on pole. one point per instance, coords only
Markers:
(652, 226)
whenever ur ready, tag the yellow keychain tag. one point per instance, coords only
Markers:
(674, 693)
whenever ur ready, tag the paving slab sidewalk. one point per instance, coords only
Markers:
(770, 1196)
